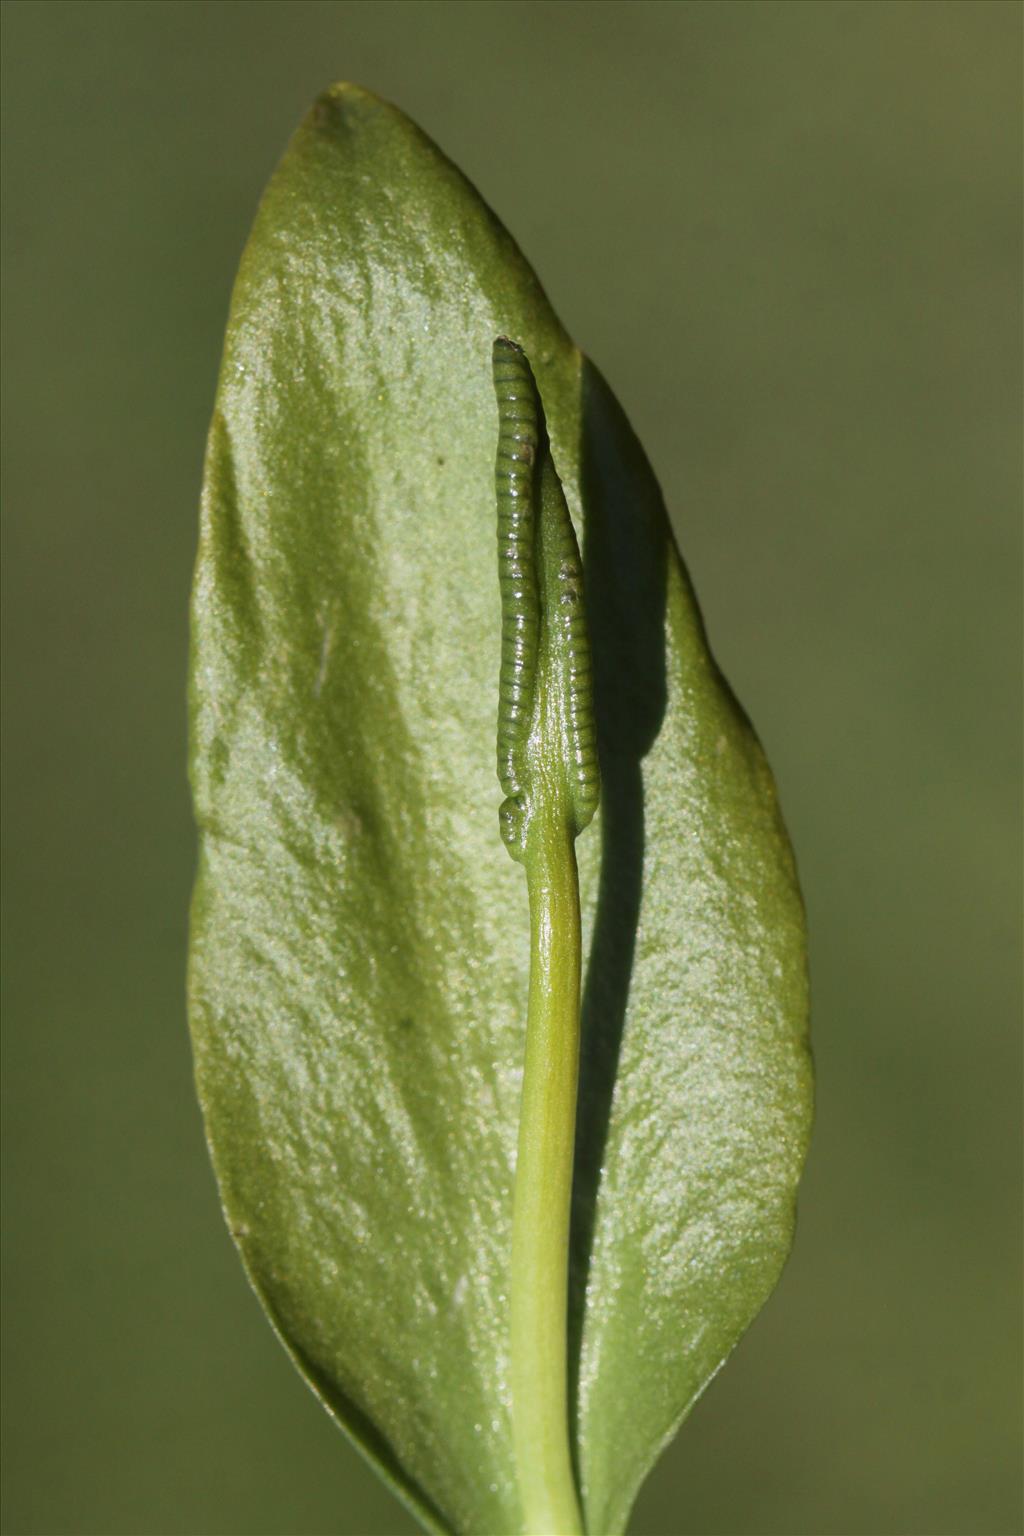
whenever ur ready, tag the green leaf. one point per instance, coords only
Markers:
(360, 940)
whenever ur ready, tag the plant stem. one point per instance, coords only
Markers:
(543, 1190)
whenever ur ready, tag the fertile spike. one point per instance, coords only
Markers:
(545, 692)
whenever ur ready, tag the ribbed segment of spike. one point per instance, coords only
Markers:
(568, 613)
(514, 475)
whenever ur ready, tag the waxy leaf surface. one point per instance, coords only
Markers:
(360, 937)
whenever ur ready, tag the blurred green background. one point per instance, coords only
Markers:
(790, 236)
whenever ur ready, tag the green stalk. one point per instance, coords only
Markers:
(543, 1190)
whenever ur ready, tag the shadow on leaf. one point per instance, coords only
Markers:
(625, 553)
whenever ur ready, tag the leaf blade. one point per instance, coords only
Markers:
(359, 962)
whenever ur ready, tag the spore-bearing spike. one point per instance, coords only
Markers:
(540, 578)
